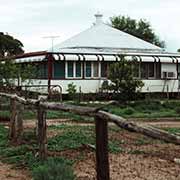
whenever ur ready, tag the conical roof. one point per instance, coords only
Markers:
(102, 37)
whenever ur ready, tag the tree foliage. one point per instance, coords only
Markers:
(122, 75)
(9, 45)
(12, 73)
(141, 29)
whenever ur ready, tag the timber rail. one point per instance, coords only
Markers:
(101, 127)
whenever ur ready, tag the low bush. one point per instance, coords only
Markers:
(128, 111)
(177, 110)
(53, 169)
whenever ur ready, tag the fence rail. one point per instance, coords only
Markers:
(101, 122)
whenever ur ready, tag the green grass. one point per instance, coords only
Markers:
(147, 109)
(50, 115)
(138, 109)
(173, 130)
(24, 156)
(70, 137)
(4, 114)
(74, 137)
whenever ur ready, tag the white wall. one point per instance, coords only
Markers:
(93, 86)
(165, 67)
(160, 85)
(86, 86)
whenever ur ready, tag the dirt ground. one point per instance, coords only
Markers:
(152, 161)
(8, 172)
(142, 158)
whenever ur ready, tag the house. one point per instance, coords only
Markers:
(84, 60)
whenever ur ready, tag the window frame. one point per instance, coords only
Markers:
(74, 70)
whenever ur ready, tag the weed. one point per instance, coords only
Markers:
(128, 111)
(53, 169)
(136, 152)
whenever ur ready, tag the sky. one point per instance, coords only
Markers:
(32, 21)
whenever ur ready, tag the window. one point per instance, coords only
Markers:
(151, 70)
(104, 69)
(95, 69)
(42, 70)
(78, 69)
(147, 70)
(88, 69)
(59, 69)
(158, 70)
(70, 69)
(74, 69)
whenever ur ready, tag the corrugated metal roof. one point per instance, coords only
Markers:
(102, 37)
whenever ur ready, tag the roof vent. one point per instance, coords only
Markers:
(98, 18)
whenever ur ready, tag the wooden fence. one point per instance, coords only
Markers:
(101, 122)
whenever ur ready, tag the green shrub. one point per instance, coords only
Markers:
(128, 111)
(53, 169)
(177, 110)
(147, 105)
(71, 90)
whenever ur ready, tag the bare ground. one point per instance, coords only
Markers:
(8, 172)
(142, 158)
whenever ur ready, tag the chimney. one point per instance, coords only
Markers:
(98, 18)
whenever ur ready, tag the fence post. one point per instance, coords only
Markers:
(102, 161)
(19, 123)
(12, 127)
(42, 138)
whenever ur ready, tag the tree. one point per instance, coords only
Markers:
(141, 29)
(9, 46)
(12, 73)
(178, 50)
(122, 75)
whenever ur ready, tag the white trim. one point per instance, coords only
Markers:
(71, 57)
(100, 69)
(166, 59)
(31, 59)
(90, 57)
(147, 59)
(92, 76)
(109, 58)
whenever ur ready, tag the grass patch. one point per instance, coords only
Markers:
(52, 169)
(24, 156)
(173, 130)
(136, 152)
(137, 109)
(4, 114)
(74, 137)
(71, 137)
(146, 109)
(28, 114)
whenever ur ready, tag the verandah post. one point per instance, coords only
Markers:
(42, 137)
(102, 159)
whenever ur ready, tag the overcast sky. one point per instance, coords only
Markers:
(31, 20)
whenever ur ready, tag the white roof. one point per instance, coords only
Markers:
(104, 38)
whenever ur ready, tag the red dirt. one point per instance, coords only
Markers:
(142, 158)
(150, 160)
(7, 172)
(130, 166)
